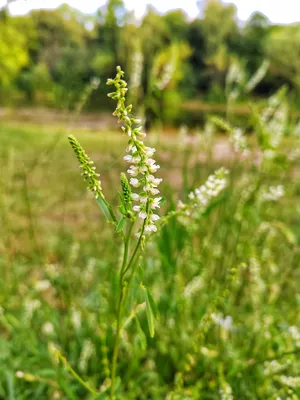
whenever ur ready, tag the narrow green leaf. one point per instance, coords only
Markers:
(106, 209)
(122, 210)
(150, 315)
(142, 337)
(152, 303)
(121, 225)
(286, 231)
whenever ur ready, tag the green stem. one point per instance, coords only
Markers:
(116, 345)
(74, 373)
(126, 250)
(135, 251)
(122, 299)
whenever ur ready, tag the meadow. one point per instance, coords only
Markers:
(225, 282)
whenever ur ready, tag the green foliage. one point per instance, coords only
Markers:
(13, 51)
(222, 278)
(36, 51)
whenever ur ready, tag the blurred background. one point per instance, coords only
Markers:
(176, 56)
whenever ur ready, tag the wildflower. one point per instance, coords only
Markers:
(87, 351)
(76, 318)
(88, 170)
(226, 392)
(143, 166)
(273, 193)
(291, 381)
(223, 322)
(95, 82)
(48, 329)
(201, 197)
(30, 307)
(42, 285)
(238, 140)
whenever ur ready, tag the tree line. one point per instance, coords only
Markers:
(50, 57)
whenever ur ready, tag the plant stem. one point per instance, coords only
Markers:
(116, 345)
(126, 250)
(122, 299)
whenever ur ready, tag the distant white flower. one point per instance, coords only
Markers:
(225, 323)
(42, 285)
(238, 140)
(76, 318)
(87, 351)
(201, 197)
(31, 306)
(47, 328)
(273, 193)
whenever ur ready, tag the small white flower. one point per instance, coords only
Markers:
(156, 203)
(154, 191)
(143, 199)
(136, 159)
(20, 374)
(47, 328)
(153, 168)
(135, 197)
(135, 182)
(154, 217)
(150, 228)
(137, 208)
(128, 158)
(133, 171)
(143, 215)
(42, 285)
(149, 151)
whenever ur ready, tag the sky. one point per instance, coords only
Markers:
(277, 11)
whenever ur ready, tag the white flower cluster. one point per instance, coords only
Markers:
(202, 197)
(226, 392)
(87, 351)
(42, 285)
(137, 69)
(291, 381)
(294, 331)
(167, 75)
(142, 165)
(194, 286)
(223, 322)
(238, 140)
(273, 193)
(30, 306)
(274, 367)
(48, 329)
(142, 169)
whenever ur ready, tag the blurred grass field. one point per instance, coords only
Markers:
(227, 288)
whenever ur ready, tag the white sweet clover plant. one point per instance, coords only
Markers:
(140, 202)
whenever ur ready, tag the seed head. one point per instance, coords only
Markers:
(88, 170)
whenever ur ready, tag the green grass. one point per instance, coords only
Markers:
(59, 264)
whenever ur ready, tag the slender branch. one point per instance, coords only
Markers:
(74, 373)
